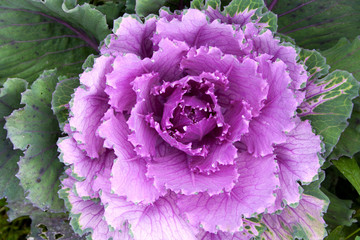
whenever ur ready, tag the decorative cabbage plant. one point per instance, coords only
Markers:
(200, 123)
(186, 128)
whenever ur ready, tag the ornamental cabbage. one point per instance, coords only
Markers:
(186, 128)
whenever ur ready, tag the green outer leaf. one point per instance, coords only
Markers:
(336, 234)
(346, 56)
(56, 223)
(83, 17)
(63, 92)
(313, 189)
(38, 35)
(237, 6)
(130, 6)
(197, 4)
(318, 24)
(328, 105)
(315, 63)
(349, 142)
(89, 62)
(262, 12)
(270, 19)
(200, 4)
(112, 10)
(350, 169)
(34, 129)
(339, 211)
(61, 98)
(9, 100)
(146, 7)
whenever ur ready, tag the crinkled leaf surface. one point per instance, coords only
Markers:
(34, 130)
(318, 24)
(350, 169)
(303, 221)
(345, 55)
(44, 225)
(237, 6)
(315, 63)
(61, 97)
(339, 211)
(329, 98)
(63, 92)
(10, 96)
(268, 17)
(241, 5)
(38, 35)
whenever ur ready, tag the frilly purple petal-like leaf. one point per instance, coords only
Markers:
(196, 31)
(158, 221)
(298, 161)
(131, 36)
(244, 82)
(219, 154)
(239, 19)
(87, 170)
(251, 229)
(143, 137)
(126, 69)
(128, 172)
(89, 106)
(305, 220)
(253, 193)
(276, 115)
(87, 216)
(266, 43)
(173, 171)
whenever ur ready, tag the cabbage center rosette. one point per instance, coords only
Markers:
(186, 127)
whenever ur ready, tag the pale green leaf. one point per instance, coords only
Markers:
(315, 63)
(10, 96)
(237, 6)
(34, 130)
(329, 105)
(61, 98)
